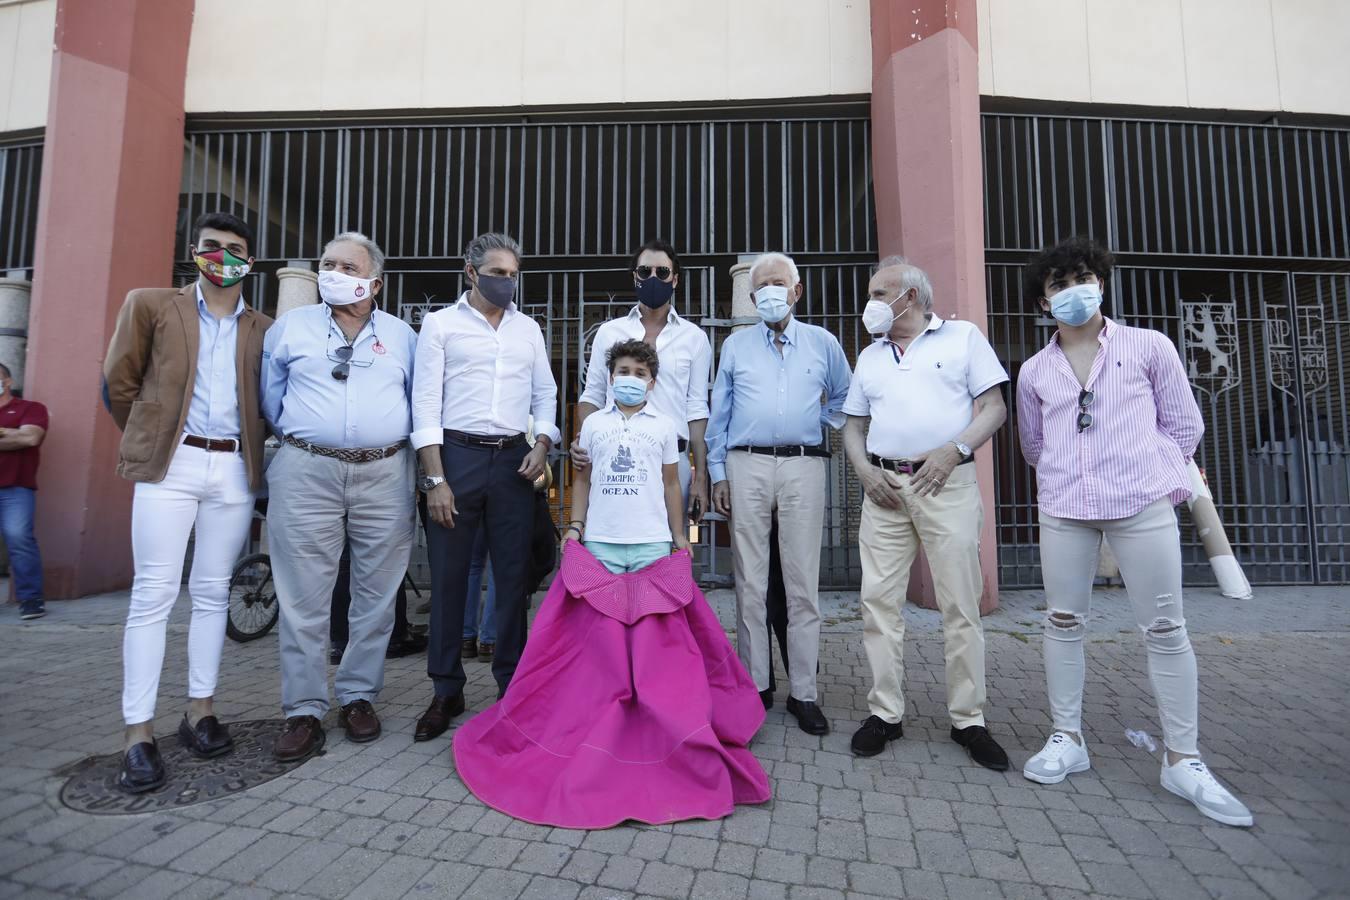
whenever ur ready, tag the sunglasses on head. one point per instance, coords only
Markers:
(661, 272)
(1085, 398)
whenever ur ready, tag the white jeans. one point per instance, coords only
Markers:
(1148, 547)
(209, 490)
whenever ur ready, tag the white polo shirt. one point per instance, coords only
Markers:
(922, 397)
(628, 493)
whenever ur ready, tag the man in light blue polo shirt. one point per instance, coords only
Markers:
(778, 385)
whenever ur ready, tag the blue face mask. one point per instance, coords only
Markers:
(654, 293)
(1076, 305)
(771, 301)
(629, 390)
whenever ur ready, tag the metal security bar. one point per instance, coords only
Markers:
(20, 176)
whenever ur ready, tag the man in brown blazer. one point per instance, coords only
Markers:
(182, 384)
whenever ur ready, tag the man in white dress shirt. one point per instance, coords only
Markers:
(482, 370)
(681, 391)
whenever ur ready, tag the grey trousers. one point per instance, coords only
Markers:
(315, 505)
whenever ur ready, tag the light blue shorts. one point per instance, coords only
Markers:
(619, 558)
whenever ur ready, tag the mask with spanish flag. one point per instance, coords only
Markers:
(221, 267)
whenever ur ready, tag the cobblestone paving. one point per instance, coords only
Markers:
(390, 819)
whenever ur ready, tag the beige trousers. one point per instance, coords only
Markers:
(948, 527)
(796, 488)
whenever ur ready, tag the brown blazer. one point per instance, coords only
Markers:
(150, 369)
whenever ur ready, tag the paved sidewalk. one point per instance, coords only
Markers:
(391, 819)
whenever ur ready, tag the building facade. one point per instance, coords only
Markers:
(1206, 142)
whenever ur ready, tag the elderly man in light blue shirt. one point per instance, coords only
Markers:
(336, 388)
(779, 384)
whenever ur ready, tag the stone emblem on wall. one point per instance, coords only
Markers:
(1210, 343)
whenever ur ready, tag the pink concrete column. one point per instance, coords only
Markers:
(928, 183)
(106, 219)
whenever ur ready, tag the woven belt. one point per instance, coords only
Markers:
(347, 454)
(486, 441)
(786, 450)
(214, 445)
(902, 466)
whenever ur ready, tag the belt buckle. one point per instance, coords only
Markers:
(499, 443)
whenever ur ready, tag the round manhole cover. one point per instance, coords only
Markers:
(92, 785)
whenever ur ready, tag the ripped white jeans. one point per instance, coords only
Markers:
(1147, 546)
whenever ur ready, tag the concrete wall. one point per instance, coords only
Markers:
(279, 55)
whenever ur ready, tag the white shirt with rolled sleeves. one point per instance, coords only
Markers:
(685, 360)
(923, 397)
(628, 493)
(474, 378)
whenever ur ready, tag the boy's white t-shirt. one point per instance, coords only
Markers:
(628, 493)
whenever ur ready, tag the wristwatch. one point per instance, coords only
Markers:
(427, 482)
(964, 450)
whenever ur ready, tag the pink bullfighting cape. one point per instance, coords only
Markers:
(629, 703)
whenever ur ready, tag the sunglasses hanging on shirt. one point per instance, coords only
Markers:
(343, 357)
(1085, 399)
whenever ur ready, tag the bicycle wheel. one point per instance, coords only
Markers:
(253, 599)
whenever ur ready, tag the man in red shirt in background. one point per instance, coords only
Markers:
(23, 425)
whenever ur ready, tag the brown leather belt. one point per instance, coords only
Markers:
(347, 454)
(902, 466)
(214, 445)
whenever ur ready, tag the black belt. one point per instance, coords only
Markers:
(215, 445)
(683, 446)
(785, 450)
(486, 441)
(903, 466)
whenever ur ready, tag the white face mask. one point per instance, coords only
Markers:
(338, 289)
(771, 301)
(879, 318)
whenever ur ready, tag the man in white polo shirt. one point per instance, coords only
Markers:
(931, 389)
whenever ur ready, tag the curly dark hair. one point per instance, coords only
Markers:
(659, 246)
(1065, 257)
(637, 351)
(223, 221)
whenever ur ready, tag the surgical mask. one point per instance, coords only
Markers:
(1076, 305)
(879, 318)
(629, 390)
(772, 304)
(221, 267)
(499, 290)
(654, 293)
(341, 289)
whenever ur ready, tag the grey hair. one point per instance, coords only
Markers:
(911, 276)
(372, 249)
(475, 254)
(766, 258)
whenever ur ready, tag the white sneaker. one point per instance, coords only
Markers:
(1059, 758)
(1191, 778)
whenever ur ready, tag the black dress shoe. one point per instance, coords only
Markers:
(468, 648)
(981, 746)
(207, 738)
(406, 646)
(871, 738)
(142, 769)
(438, 715)
(809, 717)
(766, 697)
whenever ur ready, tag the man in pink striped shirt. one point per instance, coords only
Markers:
(1108, 420)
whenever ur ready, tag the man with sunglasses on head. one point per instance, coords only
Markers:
(482, 371)
(681, 392)
(337, 387)
(1108, 420)
(181, 381)
(924, 398)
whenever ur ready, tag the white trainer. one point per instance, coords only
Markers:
(1059, 758)
(1191, 778)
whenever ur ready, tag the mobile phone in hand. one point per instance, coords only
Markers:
(696, 512)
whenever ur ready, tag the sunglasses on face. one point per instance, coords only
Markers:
(661, 272)
(1085, 399)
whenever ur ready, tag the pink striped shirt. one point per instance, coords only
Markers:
(1145, 426)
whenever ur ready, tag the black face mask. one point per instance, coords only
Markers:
(497, 289)
(654, 293)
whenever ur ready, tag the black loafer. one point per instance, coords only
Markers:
(981, 746)
(871, 738)
(206, 739)
(766, 697)
(142, 769)
(809, 717)
(405, 646)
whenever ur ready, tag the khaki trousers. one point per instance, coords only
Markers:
(948, 528)
(794, 486)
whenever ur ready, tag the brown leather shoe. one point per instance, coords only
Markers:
(438, 715)
(485, 651)
(468, 649)
(359, 718)
(301, 738)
